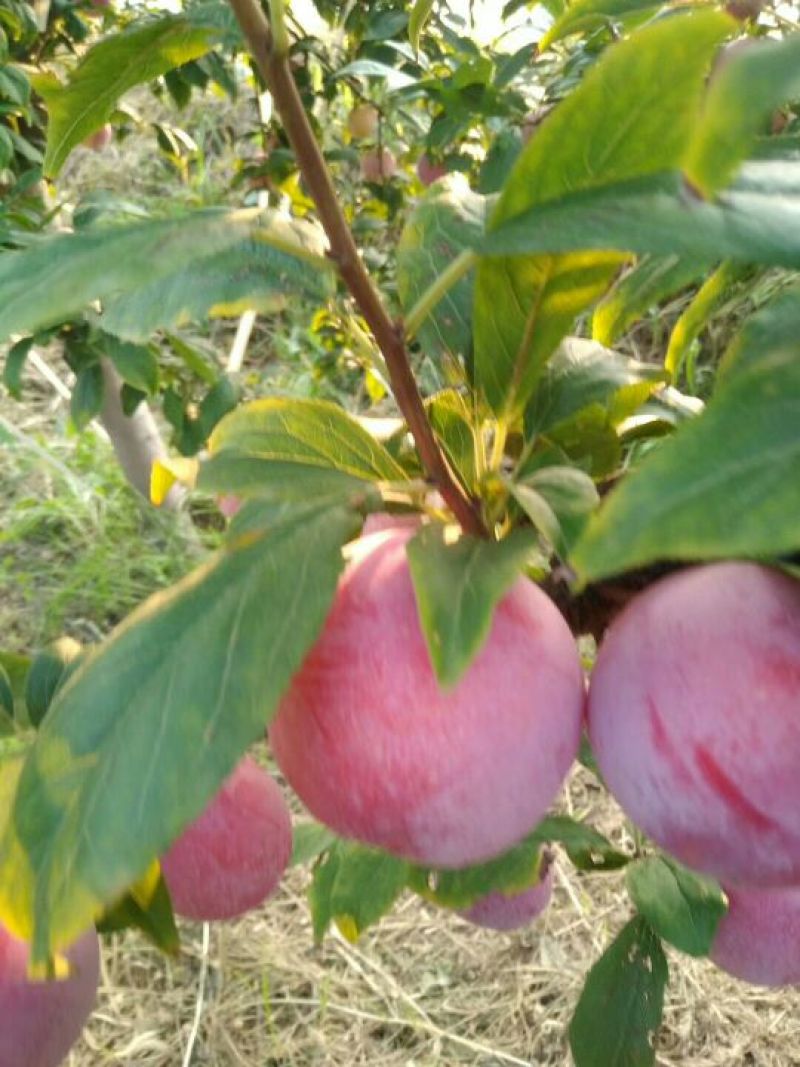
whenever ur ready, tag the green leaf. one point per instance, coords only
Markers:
(15, 362)
(44, 677)
(87, 395)
(275, 480)
(586, 847)
(558, 500)
(146, 907)
(135, 364)
(620, 1008)
(756, 221)
(682, 907)
(252, 275)
(308, 432)
(632, 114)
(746, 88)
(652, 279)
(458, 585)
(354, 887)
(16, 667)
(446, 222)
(727, 483)
(584, 15)
(697, 315)
(420, 13)
(140, 738)
(452, 423)
(582, 374)
(54, 279)
(6, 148)
(6, 694)
(309, 840)
(107, 71)
(513, 872)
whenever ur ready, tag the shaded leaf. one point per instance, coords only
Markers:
(15, 363)
(146, 907)
(107, 71)
(681, 906)
(586, 847)
(458, 584)
(135, 364)
(55, 278)
(620, 1008)
(87, 395)
(725, 484)
(156, 718)
(354, 886)
(45, 674)
(584, 15)
(420, 13)
(309, 839)
(452, 423)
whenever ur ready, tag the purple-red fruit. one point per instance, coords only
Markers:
(378, 166)
(41, 1021)
(429, 171)
(378, 751)
(758, 939)
(694, 718)
(100, 139)
(509, 911)
(233, 856)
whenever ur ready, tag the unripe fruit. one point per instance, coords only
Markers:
(502, 911)
(758, 940)
(378, 751)
(100, 139)
(378, 166)
(233, 856)
(694, 718)
(41, 1021)
(429, 171)
(363, 121)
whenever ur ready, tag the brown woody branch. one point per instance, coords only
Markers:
(276, 72)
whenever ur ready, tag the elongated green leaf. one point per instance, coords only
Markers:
(6, 695)
(458, 585)
(309, 840)
(697, 315)
(757, 220)
(15, 362)
(447, 221)
(135, 364)
(728, 482)
(513, 872)
(142, 735)
(87, 395)
(681, 906)
(308, 432)
(633, 114)
(558, 500)
(745, 90)
(107, 71)
(420, 13)
(251, 275)
(622, 1001)
(652, 280)
(354, 887)
(146, 907)
(583, 373)
(583, 15)
(275, 480)
(54, 279)
(452, 423)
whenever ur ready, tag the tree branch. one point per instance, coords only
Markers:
(276, 72)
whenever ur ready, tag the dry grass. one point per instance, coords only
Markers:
(422, 988)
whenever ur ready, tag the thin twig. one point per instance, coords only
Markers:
(276, 72)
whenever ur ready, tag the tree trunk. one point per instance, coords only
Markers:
(136, 438)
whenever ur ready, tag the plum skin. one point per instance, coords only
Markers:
(233, 856)
(694, 718)
(41, 1021)
(758, 939)
(380, 753)
(509, 911)
(378, 166)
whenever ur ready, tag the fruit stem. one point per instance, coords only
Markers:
(461, 265)
(275, 70)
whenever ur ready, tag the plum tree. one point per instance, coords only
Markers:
(41, 1021)
(758, 939)
(363, 121)
(695, 721)
(378, 165)
(429, 171)
(379, 752)
(509, 911)
(232, 857)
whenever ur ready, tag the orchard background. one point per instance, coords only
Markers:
(583, 221)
